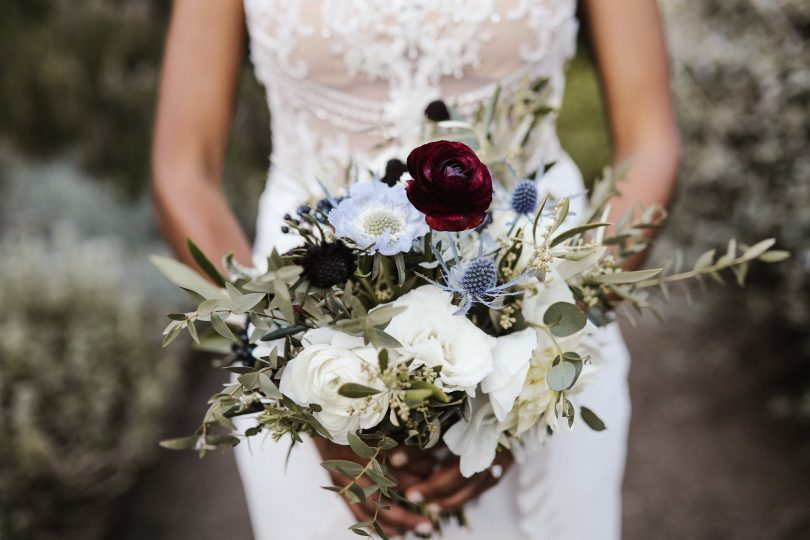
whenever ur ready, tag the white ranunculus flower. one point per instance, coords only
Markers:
(432, 336)
(511, 359)
(329, 360)
(476, 441)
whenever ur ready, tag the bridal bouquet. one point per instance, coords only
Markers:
(454, 306)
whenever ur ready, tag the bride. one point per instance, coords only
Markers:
(349, 81)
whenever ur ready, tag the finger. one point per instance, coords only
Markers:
(403, 520)
(441, 483)
(468, 492)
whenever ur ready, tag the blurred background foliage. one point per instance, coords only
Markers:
(84, 386)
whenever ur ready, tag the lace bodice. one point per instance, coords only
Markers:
(350, 79)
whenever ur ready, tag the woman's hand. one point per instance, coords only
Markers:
(409, 466)
(423, 479)
(447, 489)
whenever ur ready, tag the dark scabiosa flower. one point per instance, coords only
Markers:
(394, 170)
(328, 264)
(437, 111)
(449, 185)
(524, 197)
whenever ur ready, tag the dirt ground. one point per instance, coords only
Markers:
(705, 461)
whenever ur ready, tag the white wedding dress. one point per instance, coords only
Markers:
(348, 81)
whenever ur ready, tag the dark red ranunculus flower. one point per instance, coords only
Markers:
(450, 185)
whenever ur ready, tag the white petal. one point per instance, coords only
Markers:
(476, 441)
(511, 358)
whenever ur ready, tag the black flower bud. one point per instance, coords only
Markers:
(437, 111)
(394, 169)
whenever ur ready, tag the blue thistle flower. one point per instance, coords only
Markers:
(524, 197)
(476, 281)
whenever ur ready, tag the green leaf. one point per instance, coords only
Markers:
(268, 387)
(283, 332)
(355, 390)
(562, 376)
(249, 380)
(759, 248)
(380, 339)
(564, 319)
(355, 493)
(417, 396)
(593, 421)
(774, 256)
(435, 391)
(382, 359)
(570, 233)
(344, 467)
(360, 447)
(245, 302)
(186, 278)
(704, 260)
(180, 443)
(627, 277)
(222, 329)
(206, 265)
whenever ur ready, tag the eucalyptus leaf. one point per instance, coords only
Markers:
(564, 319)
(562, 376)
(590, 418)
(344, 467)
(575, 231)
(283, 332)
(355, 390)
(221, 328)
(180, 443)
(627, 277)
(380, 339)
(186, 278)
(360, 447)
(206, 265)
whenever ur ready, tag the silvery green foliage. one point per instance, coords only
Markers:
(742, 79)
(83, 383)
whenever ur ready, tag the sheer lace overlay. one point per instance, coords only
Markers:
(350, 79)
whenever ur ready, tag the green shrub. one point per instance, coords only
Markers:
(83, 384)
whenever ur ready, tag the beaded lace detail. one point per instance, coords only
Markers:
(348, 80)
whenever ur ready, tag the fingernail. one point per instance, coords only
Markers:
(424, 527)
(414, 496)
(398, 459)
(434, 508)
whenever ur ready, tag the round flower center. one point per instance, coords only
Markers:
(524, 197)
(479, 277)
(376, 222)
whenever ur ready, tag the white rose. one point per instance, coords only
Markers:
(329, 360)
(432, 336)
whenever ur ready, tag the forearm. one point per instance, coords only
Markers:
(189, 208)
(650, 180)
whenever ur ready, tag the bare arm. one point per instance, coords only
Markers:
(195, 110)
(629, 44)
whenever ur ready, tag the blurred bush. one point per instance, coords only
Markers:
(84, 384)
(742, 79)
(80, 77)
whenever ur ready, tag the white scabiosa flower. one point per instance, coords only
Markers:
(378, 218)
